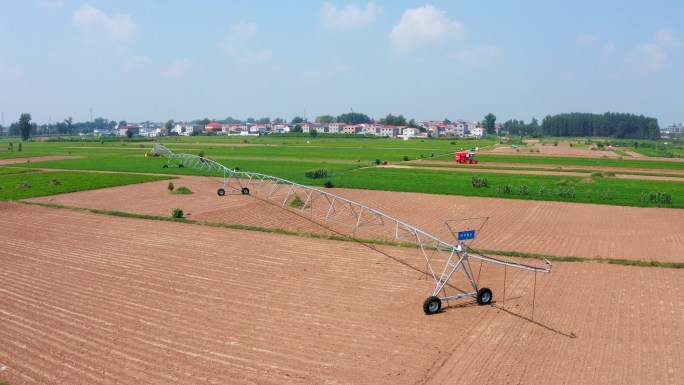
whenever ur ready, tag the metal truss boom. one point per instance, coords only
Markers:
(443, 258)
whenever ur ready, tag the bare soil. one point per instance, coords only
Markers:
(95, 299)
(37, 159)
(550, 228)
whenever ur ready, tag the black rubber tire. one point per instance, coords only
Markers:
(180, 166)
(245, 191)
(166, 166)
(221, 192)
(484, 296)
(432, 305)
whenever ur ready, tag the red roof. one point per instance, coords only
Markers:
(213, 124)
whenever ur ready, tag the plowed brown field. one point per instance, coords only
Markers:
(551, 228)
(95, 299)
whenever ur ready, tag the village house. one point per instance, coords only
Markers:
(134, 128)
(410, 132)
(390, 131)
(213, 128)
(187, 129)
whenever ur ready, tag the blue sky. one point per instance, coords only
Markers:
(169, 59)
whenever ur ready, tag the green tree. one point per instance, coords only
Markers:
(129, 134)
(169, 125)
(325, 119)
(313, 133)
(278, 121)
(297, 120)
(25, 126)
(489, 123)
(297, 128)
(391, 120)
(354, 118)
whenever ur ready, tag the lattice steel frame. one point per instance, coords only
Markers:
(443, 259)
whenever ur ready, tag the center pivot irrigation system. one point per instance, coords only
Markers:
(344, 216)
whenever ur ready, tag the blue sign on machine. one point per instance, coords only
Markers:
(465, 235)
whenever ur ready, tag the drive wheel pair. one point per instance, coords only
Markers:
(433, 304)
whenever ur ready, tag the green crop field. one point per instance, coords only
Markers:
(22, 186)
(351, 163)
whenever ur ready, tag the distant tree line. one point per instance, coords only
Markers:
(516, 127)
(615, 125)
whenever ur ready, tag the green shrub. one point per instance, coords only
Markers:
(597, 174)
(317, 174)
(177, 213)
(504, 189)
(542, 190)
(55, 182)
(479, 182)
(182, 190)
(328, 184)
(508, 189)
(564, 192)
(606, 195)
(523, 189)
(296, 203)
(656, 197)
(406, 158)
(170, 186)
(608, 173)
(24, 184)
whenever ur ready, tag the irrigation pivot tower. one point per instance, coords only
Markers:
(444, 260)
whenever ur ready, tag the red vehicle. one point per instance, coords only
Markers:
(465, 157)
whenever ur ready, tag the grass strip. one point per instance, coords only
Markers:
(11, 170)
(507, 253)
(543, 169)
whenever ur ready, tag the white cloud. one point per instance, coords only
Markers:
(131, 61)
(647, 58)
(587, 39)
(97, 26)
(423, 26)
(666, 37)
(240, 45)
(350, 15)
(243, 28)
(263, 56)
(236, 42)
(178, 68)
(608, 51)
(476, 56)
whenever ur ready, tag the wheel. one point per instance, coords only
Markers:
(245, 191)
(166, 166)
(484, 296)
(180, 166)
(432, 305)
(221, 192)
